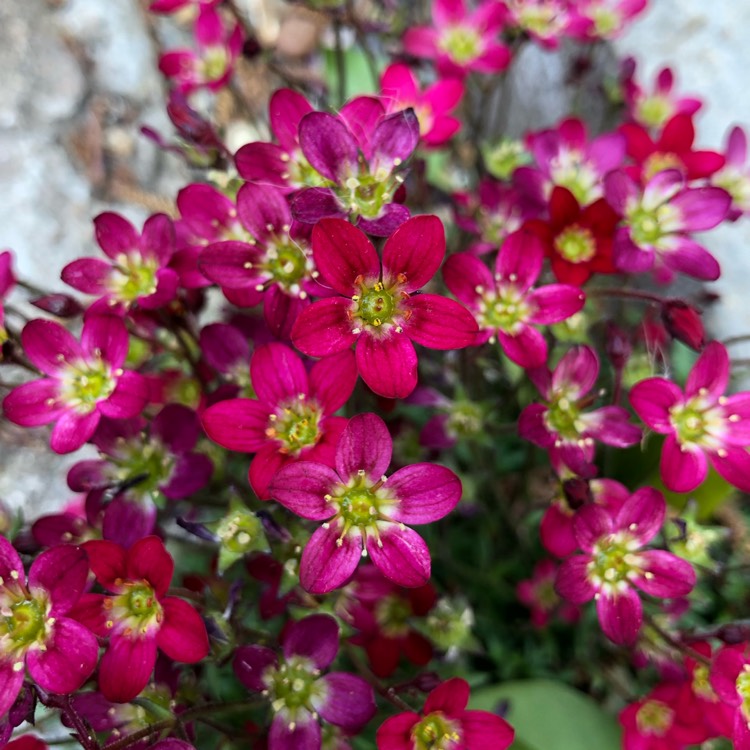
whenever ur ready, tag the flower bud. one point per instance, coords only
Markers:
(684, 323)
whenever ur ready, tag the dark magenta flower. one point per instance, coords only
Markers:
(364, 511)
(298, 693)
(445, 723)
(139, 617)
(136, 272)
(562, 426)
(378, 309)
(7, 282)
(507, 304)
(358, 153)
(84, 382)
(701, 423)
(292, 417)
(36, 632)
(539, 595)
(614, 565)
(730, 679)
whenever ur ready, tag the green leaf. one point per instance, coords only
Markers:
(359, 79)
(549, 715)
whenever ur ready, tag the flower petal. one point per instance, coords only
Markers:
(665, 575)
(48, 346)
(238, 424)
(250, 663)
(324, 328)
(343, 253)
(278, 375)
(572, 581)
(425, 493)
(60, 573)
(105, 337)
(682, 467)
(414, 251)
(590, 524)
(72, 430)
(34, 404)
(365, 445)
(115, 234)
(11, 681)
(302, 486)
(467, 277)
(620, 616)
(149, 560)
(710, 372)
(328, 145)
(303, 734)
(652, 400)
(450, 698)
(349, 701)
(126, 668)
(129, 397)
(485, 729)
(400, 554)
(332, 380)
(182, 635)
(315, 637)
(325, 564)
(642, 514)
(388, 364)
(439, 323)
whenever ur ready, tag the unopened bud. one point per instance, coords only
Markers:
(61, 305)
(617, 345)
(683, 322)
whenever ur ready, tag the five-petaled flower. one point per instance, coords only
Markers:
(379, 310)
(364, 511)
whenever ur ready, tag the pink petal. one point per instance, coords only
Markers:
(301, 487)
(590, 524)
(315, 637)
(266, 463)
(11, 567)
(702, 208)
(11, 681)
(425, 493)
(665, 575)
(72, 430)
(642, 514)
(520, 259)
(278, 375)
(349, 701)
(48, 346)
(450, 698)
(710, 372)
(629, 257)
(328, 144)
(463, 273)
(400, 554)
(149, 560)
(394, 139)
(33, 404)
(304, 734)
(88, 275)
(231, 264)
(71, 654)
(343, 253)
(527, 347)
(556, 531)
(325, 565)
(115, 234)
(264, 163)
(324, 327)
(395, 732)
(415, 250)
(126, 668)
(182, 635)
(107, 561)
(263, 211)
(238, 424)
(365, 445)
(620, 616)
(388, 365)
(577, 371)
(734, 466)
(128, 399)
(495, 58)
(105, 337)
(439, 323)
(682, 468)
(652, 400)
(572, 581)
(332, 380)
(555, 302)
(158, 238)
(692, 259)
(532, 426)
(286, 110)
(726, 668)
(59, 574)
(421, 41)
(310, 205)
(484, 729)
(250, 663)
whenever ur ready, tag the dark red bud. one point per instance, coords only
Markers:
(683, 322)
(577, 492)
(61, 305)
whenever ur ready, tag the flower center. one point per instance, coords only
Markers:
(392, 614)
(606, 20)
(133, 276)
(84, 384)
(214, 63)
(377, 307)
(658, 162)
(702, 684)
(288, 265)
(563, 417)
(570, 170)
(294, 688)
(22, 624)
(365, 194)
(435, 732)
(506, 310)
(644, 226)
(695, 423)
(296, 425)
(654, 718)
(136, 610)
(465, 419)
(576, 244)
(743, 689)
(653, 111)
(613, 561)
(735, 183)
(145, 466)
(360, 504)
(462, 44)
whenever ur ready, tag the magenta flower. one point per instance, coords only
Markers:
(7, 282)
(546, 21)
(210, 66)
(84, 382)
(36, 632)
(272, 265)
(298, 693)
(539, 595)
(364, 511)
(507, 305)
(445, 723)
(378, 309)
(459, 40)
(400, 89)
(730, 679)
(136, 272)
(734, 176)
(292, 418)
(357, 155)
(605, 19)
(700, 423)
(658, 220)
(139, 618)
(613, 565)
(562, 426)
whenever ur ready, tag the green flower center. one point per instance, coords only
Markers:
(294, 688)
(84, 384)
(702, 684)
(436, 732)
(214, 63)
(653, 111)
(461, 44)
(288, 265)
(377, 307)
(654, 718)
(569, 170)
(563, 417)
(743, 689)
(697, 424)
(506, 310)
(613, 561)
(147, 465)
(735, 183)
(136, 609)
(365, 194)
(392, 614)
(24, 623)
(644, 226)
(465, 419)
(296, 425)
(133, 276)
(576, 244)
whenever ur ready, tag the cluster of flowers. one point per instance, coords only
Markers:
(329, 229)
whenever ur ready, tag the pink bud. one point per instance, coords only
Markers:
(684, 323)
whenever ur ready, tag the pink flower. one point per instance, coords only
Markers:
(378, 309)
(298, 693)
(364, 511)
(292, 418)
(546, 21)
(612, 564)
(7, 282)
(507, 304)
(136, 272)
(539, 595)
(211, 65)
(139, 617)
(400, 90)
(459, 40)
(700, 423)
(734, 176)
(445, 723)
(84, 382)
(658, 221)
(730, 679)
(562, 426)
(607, 19)
(36, 632)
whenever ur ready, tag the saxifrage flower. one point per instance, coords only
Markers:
(365, 512)
(378, 309)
